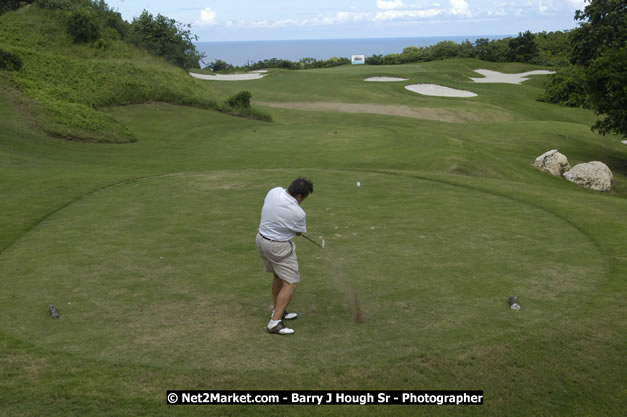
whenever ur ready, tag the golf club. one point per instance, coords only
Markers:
(313, 241)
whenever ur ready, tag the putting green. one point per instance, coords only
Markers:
(164, 271)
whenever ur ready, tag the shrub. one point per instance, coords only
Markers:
(567, 87)
(219, 65)
(416, 54)
(82, 26)
(241, 99)
(375, 60)
(10, 61)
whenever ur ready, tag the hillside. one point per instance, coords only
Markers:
(62, 85)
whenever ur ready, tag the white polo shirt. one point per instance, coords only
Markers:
(281, 216)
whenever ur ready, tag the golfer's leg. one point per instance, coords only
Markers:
(277, 284)
(283, 299)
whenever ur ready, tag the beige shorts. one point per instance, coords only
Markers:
(280, 258)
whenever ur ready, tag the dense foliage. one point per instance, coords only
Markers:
(599, 46)
(166, 37)
(219, 65)
(567, 87)
(304, 63)
(241, 99)
(6, 5)
(83, 26)
(94, 22)
(598, 75)
(523, 48)
(10, 61)
(544, 48)
(541, 48)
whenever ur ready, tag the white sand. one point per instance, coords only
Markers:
(438, 90)
(384, 79)
(255, 75)
(499, 77)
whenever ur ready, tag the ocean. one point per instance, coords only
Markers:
(240, 53)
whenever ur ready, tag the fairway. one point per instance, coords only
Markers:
(147, 250)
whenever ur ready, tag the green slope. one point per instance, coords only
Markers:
(65, 84)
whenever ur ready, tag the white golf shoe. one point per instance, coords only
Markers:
(280, 329)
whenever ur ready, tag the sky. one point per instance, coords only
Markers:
(239, 20)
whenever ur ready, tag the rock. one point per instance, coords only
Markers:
(594, 175)
(552, 162)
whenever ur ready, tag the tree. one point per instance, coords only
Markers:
(522, 48)
(607, 80)
(554, 48)
(444, 50)
(467, 50)
(492, 50)
(599, 46)
(83, 27)
(415, 54)
(167, 38)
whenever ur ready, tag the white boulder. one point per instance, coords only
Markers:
(552, 162)
(594, 175)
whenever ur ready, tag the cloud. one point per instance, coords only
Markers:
(389, 4)
(543, 8)
(405, 14)
(208, 17)
(342, 17)
(339, 17)
(497, 12)
(459, 8)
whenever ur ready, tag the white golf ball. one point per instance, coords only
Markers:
(358, 184)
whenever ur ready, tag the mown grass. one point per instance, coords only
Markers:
(148, 251)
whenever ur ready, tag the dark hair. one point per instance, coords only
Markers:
(300, 186)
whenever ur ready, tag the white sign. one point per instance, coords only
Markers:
(358, 59)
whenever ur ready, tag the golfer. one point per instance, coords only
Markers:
(281, 220)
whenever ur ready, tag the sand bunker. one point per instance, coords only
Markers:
(499, 77)
(385, 79)
(255, 75)
(438, 90)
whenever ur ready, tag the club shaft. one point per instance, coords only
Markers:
(311, 240)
